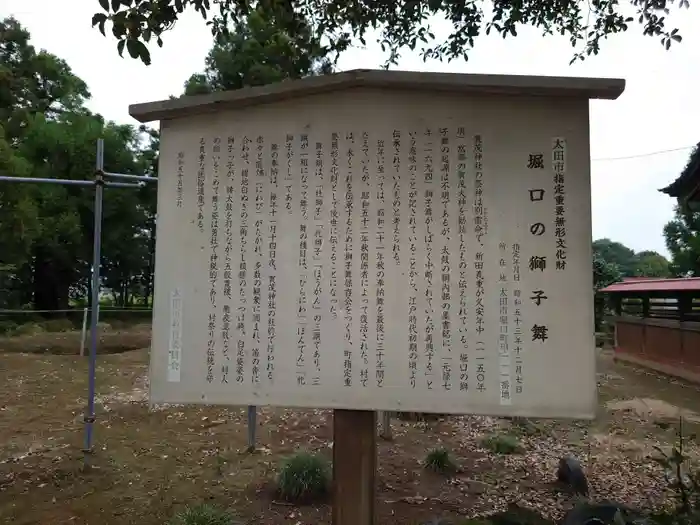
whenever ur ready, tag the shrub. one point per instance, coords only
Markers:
(7, 326)
(58, 325)
(29, 329)
(203, 514)
(502, 444)
(304, 477)
(439, 460)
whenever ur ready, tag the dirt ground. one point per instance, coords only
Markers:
(149, 463)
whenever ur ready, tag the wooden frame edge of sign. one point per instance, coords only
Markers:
(187, 106)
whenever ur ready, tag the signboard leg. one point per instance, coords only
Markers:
(354, 466)
(252, 422)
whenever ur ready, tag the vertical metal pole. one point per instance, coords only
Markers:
(83, 332)
(94, 301)
(252, 423)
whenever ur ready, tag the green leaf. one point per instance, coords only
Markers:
(99, 19)
(105, 5)
(145, 56)
(115, 5)
(118, 26)
(133, 47)
(120, 47)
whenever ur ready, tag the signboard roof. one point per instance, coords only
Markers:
(600, 88)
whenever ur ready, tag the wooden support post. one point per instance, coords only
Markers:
(685, 306)
(354, 466)
(645, 315)
(645, 305)
(685, 311)
(617, 304)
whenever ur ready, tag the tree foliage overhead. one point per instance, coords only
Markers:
(401, 23)
(259, 51)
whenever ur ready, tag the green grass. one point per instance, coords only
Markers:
(502, 444)
(440, 460)
(304, 477)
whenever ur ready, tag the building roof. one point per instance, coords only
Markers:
(603, 88)
(687, 186)
(655, 285)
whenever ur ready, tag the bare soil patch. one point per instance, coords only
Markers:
(149, 462)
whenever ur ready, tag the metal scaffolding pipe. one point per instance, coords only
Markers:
(94, 301)
(132, 177)
(123, 185)
(69, 182)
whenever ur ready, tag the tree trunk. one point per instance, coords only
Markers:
(51, 285)
(124, 290)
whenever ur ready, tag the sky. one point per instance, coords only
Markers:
(657, 112)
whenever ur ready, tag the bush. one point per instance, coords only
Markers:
(502, 444)
(439, 460)
(304, 477)
(7, 326)
(29, 329)
(203, 514)
(58, 325)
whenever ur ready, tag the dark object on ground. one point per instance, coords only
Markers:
(571, 473)
(603, 513)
